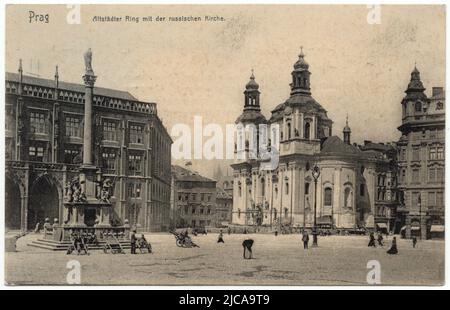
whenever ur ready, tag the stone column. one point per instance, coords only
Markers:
(89, 81)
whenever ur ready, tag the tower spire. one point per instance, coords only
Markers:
(346, 131)
(300, 76)
(56, 77)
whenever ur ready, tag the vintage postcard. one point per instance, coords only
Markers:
(231, 145)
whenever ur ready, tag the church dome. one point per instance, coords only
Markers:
(252, 85)
(301, 62)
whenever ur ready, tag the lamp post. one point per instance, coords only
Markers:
(419, 202)
(315, 174)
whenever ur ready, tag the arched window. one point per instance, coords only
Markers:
(348, 197)
(289, 130)
(287, 188)
(418, 106)
(307, 130)
(328, 196)
(362, 190)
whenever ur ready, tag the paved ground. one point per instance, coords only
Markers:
(277, 261)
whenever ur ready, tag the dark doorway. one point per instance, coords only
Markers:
(13, 210)
(43, 202)
(89, 216)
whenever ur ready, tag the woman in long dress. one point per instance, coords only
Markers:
(393, 249)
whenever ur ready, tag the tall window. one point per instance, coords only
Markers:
(415, 175)
(109, 161)
(134, 190)
(306, 133)
(73, 127)
(440, 152)
(403, 154)
(37, 122)
(135, 162)
(328, 196)
(306, 188)
(431, 199)
(289, 130)
(418, 106)
(440, 199)
(36, 153)
(70, 155)
(432, 153)
(109, 130)
(136, 134)
(416, 154)
(435, 174)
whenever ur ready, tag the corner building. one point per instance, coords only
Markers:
(44, 143)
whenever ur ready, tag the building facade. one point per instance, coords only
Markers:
(224, 207)
(44, 143)
(421, 160)
(193, 199)
(344, 194)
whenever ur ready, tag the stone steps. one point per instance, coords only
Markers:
(64, 245)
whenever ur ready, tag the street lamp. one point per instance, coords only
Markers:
(315, 174)
(419, 202)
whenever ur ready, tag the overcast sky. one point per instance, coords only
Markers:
(201, 68)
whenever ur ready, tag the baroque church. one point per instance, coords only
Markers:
(320, 178)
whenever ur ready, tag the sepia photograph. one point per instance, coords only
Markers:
(224, 145)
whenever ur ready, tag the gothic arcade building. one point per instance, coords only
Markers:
(350, 192)
(44, 139)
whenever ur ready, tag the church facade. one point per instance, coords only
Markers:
(346, 188)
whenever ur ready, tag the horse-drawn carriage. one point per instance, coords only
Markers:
(183, 240)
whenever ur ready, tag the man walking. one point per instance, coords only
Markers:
(220, 239)
(305, 239)
(372, 241)
(133, 241)
(414, 241)
(380, 239)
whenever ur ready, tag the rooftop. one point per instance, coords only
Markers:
(183, 174)
(74, 87)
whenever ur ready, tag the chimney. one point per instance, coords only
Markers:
(437, 91)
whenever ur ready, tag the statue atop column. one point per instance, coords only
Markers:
(89, 77)
(88, 62)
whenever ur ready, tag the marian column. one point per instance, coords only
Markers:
(89, 81)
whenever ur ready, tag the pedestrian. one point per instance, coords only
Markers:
(380, 239)
(247, 244)
(414, 241)
(229, 230)
(276, 232)
(305, 239)
(393, 249)
(372, 241)
(220, 239)
(133, 241)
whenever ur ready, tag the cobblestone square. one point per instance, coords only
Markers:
(278, 260)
